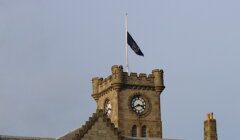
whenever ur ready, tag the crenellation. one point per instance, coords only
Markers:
(142, 79)
(150, 76)
(133, 75)
(125, 74)
(93, 127)
(95, 82)
(143, 75)
(104, 84)
(109, 78)
(118, 79)
(158, 80)
(100, 80)
(101, 84)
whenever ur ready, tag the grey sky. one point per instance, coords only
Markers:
(50, 50)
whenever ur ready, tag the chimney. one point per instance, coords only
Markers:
(210, 127)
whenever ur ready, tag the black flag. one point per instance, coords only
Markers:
(133, 45)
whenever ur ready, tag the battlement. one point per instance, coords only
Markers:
(119, 78)
(100, 84)
(140, 79)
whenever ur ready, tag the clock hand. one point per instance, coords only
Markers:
(138, 105)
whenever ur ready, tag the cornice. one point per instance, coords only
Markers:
(124, 86)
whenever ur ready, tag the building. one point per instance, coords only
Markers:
(128, 108)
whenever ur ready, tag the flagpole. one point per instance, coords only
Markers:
(126, 45)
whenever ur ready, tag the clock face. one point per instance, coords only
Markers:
(107, 108)
(138, 104)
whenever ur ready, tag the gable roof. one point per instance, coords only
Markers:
(80, 132)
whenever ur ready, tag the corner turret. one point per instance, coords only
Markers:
(117, 77)
(158, 80)
(95, 82)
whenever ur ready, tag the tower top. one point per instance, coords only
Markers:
(119, 79)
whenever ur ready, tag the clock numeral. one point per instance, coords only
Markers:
(138, 104)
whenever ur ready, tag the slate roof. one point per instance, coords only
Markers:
(6, 137)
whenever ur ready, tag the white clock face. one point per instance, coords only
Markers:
(138, 104)
(108, 108)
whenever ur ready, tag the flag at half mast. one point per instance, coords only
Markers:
(133, 45)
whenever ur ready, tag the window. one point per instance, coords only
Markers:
(144, 131)
(134, 131)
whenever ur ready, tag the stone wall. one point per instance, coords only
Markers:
(119, 88)
(100, 131)
(128, 118)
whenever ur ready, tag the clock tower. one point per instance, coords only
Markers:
(131, 101)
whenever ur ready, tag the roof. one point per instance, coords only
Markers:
(137, 138)
(6, 137)
(80, 132)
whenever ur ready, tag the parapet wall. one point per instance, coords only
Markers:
(100, 84)
(119, 79)
(141, 79)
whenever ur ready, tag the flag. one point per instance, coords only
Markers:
(133, 45)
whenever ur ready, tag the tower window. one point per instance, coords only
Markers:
(144, 131)
(134, 131)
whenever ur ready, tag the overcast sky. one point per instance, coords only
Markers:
(50, 50)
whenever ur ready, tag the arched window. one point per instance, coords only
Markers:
(134, 131)
(144, 131)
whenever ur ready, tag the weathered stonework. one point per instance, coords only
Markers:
(98, 127)
(119, 87)
(210, 128)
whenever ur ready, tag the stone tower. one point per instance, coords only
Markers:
(210, 128)
(131, 101)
